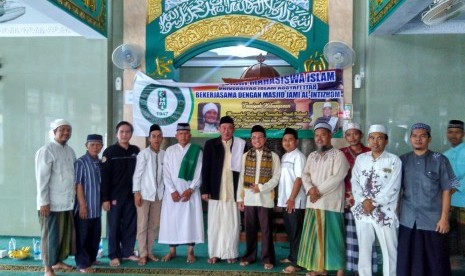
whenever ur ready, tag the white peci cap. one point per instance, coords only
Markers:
(352, 125)
(323, 125)
(377, 128)
(58, 123)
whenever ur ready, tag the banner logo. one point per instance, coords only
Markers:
(169, 104)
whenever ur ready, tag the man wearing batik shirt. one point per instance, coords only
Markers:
(322, 242)
(375, 185)
(427, 181)
(456, 156)
(353, 135)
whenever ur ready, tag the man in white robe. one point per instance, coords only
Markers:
(181, 220)
(221, 166)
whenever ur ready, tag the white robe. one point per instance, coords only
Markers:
(180, 222)
(223, 215)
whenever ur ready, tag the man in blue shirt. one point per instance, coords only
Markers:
(456, 156)
(427, 181)
(87, 210)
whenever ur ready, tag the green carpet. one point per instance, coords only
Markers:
(177, 266)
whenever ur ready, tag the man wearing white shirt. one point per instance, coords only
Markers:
(54, 166)
(291, 195)
(255, 197)
(148, 189)
(376, 179)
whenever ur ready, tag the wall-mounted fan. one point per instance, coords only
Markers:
(10, 10)
(127, 56)
(338, 55)
(442, 10)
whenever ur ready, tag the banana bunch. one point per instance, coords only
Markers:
(21, 253)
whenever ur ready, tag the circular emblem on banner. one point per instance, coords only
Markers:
(161, 105)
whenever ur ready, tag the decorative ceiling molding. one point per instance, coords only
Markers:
(42, 30)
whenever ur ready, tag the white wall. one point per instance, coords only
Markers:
(43, 79)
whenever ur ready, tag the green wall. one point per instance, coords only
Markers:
(44, 79)
(408, 79)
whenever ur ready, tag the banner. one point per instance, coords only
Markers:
(297, 101)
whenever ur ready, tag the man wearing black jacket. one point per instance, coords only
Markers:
(222, 162)
(118, 165)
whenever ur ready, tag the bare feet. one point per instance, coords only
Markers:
(62, 266)
(153, 258)
(87, 270)
(131, 258)
(115, 262)
(49, 271)
(168, 257)
(232, 261)
(291, 269)
(340, 273)
(142, 261)
(285, 261)
(190, 255)
(244, 263)
(213, 260)
(268, 266)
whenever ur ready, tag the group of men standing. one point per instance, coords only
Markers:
(335, 203)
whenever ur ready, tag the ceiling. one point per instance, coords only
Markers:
(406, 19)
(42, 18)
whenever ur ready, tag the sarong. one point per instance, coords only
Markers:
(322, 242)
(58, 237)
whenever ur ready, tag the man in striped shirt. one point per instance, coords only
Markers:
(87, 210)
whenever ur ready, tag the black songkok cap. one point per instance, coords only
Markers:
(258, 128)
(226, 120)
(455, 124)
(291, 131)
(94, 138)
(183, 126)
(154, 127)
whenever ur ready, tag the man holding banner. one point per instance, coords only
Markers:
(221, 166)
(181, 221)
